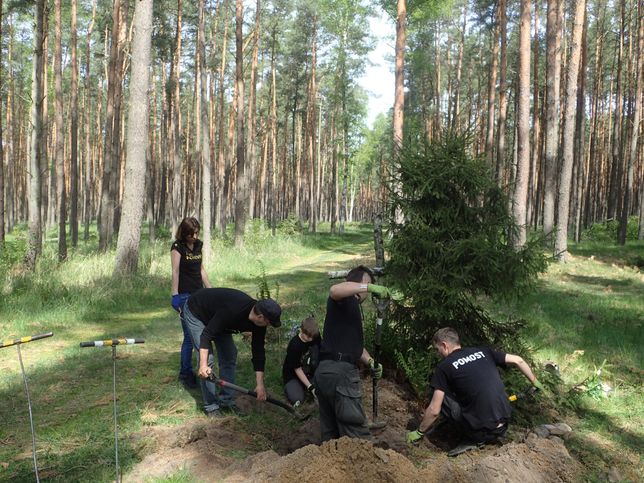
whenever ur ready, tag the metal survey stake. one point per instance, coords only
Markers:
(17, 343)
(113, 343)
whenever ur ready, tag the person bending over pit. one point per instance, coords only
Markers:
(296, 377)
(213, 315)
(336, 379)
(468, 391)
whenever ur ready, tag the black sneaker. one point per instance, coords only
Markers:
(189, 381)
(464, 447)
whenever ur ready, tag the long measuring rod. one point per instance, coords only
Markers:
(113, 343)
(18, 343)
(24, 340)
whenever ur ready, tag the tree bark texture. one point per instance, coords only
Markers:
(563, 205)
(127, 249)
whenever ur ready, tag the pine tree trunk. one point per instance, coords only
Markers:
(206, 190)
(270, 197)
(503, 95)
(34, 236)
(459, 73)
(553, 63)
(519, 199)
(399, 94)
(563, 205)
(241, 193)
(2, 173)
(73, 213)
(311, 131)
(105, 228)
(637, 115)
(616, 151)
(223, 174)
(251, 156)
(580, 138)
(491, 88)
(61, 208)
(127, 249)
(176, 205)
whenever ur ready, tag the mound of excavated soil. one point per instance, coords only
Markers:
(338, 460)
(211, 449)
(352, 460)
(533, 461)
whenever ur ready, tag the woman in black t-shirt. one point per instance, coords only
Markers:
(188, 276)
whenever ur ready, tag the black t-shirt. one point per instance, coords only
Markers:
(294, 352)
(470, 376)
(189, 266)
(225, 311)
(343, 328)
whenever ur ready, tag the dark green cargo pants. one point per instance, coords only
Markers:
(339, 394)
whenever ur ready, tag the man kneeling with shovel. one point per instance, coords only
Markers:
(468, 390)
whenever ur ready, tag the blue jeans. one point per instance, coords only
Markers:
(185, 367)
(214, 397)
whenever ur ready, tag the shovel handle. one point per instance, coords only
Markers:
(248, 392)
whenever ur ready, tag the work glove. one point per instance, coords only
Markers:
(382, 292)
(379, 291)
(376, 369)
(311, 389)
(415, 436)
(537, 384)
(176, 302)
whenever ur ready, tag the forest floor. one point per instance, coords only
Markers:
(586, 316)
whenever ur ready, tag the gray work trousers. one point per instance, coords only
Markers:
(339, 394)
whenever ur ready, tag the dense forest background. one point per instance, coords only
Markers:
(253, 110)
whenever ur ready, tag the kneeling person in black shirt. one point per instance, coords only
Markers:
(296, 378)
(213, 315)
(468, 389)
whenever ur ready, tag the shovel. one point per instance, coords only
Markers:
(381, 308)
(248, 392)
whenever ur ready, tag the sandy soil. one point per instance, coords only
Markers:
(215, 450)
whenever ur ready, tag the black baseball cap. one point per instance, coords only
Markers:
(271, 310)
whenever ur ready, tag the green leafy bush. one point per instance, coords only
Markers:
(607, 231)
(290, 226)
(454, 247)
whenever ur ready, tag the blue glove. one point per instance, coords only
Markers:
(177, 302)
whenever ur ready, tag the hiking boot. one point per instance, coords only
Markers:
(189, 381)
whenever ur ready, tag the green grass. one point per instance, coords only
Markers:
(588, 315)
(593, 304)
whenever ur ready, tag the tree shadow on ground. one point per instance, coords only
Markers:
(631, 254)
(597, 452)
(629, 287)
